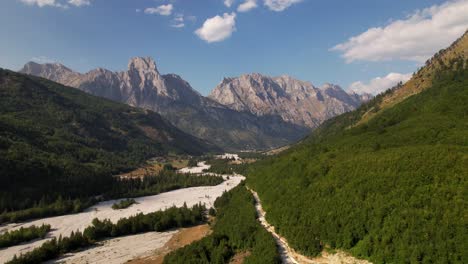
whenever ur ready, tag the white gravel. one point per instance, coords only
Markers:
(201, 166)
(120, 250)
(229, 156)
(64, 225)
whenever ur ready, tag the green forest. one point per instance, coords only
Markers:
(101, 229)
(24, 234)
(392, 190)
(224, 166)
(52, 135)
(235, 230)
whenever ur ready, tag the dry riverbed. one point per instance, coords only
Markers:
(184, 236)
(64, 225)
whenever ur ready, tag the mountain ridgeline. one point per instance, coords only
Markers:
(59, 141)
(210, 118)
(392, 188)
(297, 102)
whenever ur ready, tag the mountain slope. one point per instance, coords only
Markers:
(393, 190)
(423, 78)
(295, 101)
(57, 140)
(169, 95)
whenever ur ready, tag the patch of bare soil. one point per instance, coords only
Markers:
(338, 257)
(277, 150)
(184, 237)
(154, 166)
(239, 257)
(142, 172)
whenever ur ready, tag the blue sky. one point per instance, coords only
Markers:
(276, 37)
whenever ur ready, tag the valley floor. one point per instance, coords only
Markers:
(64, 225)
(184, 236)
(120, 250)
(152, 246)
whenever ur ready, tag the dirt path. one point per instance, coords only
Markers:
(289, 255)
(184, 237)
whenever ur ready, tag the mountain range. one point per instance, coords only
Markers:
(296, 101)
(249, 112)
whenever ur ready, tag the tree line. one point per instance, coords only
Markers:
(101, 229)
(24, 234)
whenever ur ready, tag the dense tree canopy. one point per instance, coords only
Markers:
(236, 230)
(393, 189)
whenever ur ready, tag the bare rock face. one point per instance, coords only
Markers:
(293, 100)
(52, 71)
(141, 85)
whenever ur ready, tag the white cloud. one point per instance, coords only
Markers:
(164, 10)
(79, 2)
(57, 3)
(280, 5)
(228, 3)
(415, 38)
(42, 3)
(178, 21)
(217, 28)
(247, 6)
(379, 84)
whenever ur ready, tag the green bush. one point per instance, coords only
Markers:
(11, 238)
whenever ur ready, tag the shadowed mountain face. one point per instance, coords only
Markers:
(296, 101)
(143, 86)
(57, 140)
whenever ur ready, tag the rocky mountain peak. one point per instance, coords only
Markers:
(254, 75)
(298, 102)
(53, 71)
(330, 86)
(46, 67)
(143, 64)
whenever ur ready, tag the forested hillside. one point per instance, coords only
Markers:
(58, 141)
(236, 230)
(393, 189)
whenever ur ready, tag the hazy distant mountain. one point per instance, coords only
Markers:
(295, 101)
(143, 86)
